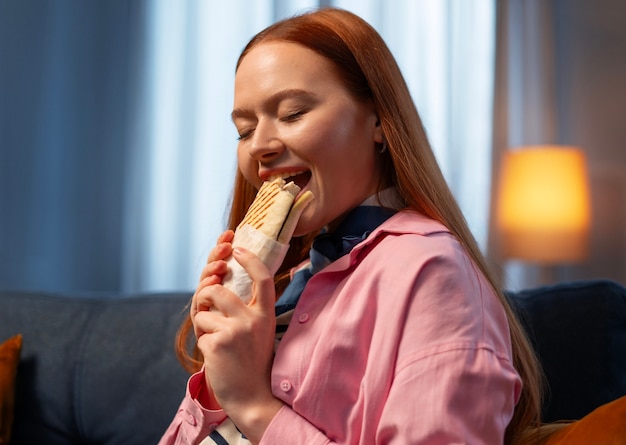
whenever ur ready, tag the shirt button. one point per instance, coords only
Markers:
(285, 385)
(303, 318)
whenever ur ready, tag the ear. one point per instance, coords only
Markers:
(378, 132)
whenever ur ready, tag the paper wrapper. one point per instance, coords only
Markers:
(270, 251)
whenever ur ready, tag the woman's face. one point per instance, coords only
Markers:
(296, 119)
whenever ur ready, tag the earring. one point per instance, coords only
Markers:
(383, 147)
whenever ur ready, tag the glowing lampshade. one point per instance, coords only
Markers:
(543, 207)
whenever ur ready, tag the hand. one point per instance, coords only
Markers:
(237, 340)
(212, 273)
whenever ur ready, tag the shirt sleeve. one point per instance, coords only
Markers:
(192, 422)
(456, 394)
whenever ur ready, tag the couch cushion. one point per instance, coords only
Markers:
(95, 368)
(579, 332)
(9, 358)
(604, 425)
(137, 336)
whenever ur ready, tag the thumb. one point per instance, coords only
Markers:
(263, 293)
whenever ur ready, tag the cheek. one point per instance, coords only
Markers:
(348, 150)
(248, 167)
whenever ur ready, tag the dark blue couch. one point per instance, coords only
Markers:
(579, 333)
(95, 369)
(101, 369)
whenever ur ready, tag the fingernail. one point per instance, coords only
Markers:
(237, 251)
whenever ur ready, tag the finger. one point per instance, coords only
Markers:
(204, 298)
(198, 301)
(216, 297)
(223, 246)
(205, 322)
(226, 237)
(212, 273)
(264, 294)
(206, 301)
(215, 268)
(221, 251)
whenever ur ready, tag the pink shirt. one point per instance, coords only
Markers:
(402, 341)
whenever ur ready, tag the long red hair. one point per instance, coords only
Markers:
(369, 71)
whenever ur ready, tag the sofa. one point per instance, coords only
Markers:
(94, 368)
(101, 369)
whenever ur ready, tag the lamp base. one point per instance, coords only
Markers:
(547, 274)
(545, 246)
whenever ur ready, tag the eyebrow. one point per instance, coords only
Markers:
(273, 99)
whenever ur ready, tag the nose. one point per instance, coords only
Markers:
(265, 144)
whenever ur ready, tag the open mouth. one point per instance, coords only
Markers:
(301, 179)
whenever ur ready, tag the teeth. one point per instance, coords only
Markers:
(285, 176)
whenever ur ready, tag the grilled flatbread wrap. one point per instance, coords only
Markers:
(266, 231)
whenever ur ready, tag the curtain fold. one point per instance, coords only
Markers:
(64, 89)
(525, 102)
(446, 50)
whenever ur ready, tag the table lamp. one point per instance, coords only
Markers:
(543, 204)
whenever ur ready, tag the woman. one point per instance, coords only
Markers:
(401, 335)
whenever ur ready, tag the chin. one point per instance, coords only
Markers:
(303, 232)
(306, 226)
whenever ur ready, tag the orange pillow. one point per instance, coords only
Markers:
(605, 425)
(9, 359)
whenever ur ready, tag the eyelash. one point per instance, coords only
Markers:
(291, 117)
(244, 136)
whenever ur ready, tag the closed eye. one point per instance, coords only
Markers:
(292, 116)
(245, 135)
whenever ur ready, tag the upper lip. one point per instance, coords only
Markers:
(283, 173)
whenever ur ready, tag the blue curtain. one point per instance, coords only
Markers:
(66, 76)
(117, 154)
(525, 102)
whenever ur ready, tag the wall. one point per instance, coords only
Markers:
(590, 53)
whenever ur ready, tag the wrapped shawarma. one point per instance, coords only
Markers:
(266, 231)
